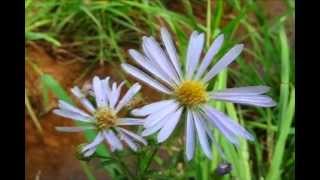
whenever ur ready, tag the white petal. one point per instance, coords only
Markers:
(68, 107)
(248, 91)
(113, 140)
(116, 90)
(157, 55)
(134, 136)
(157, 116)
(152, 68)
(71, 115)
(128, 96)
(193, 52)
(151, 108)
(213, 50)
(228, 123)
(97, 140)
(258, 100)
(131, 121)
(232, 137)
(84, 101)
(73, 129)
(99, 93)
(128, 141)
(228, 58)
(190, 136)
(171, 50)
(145, 78)
(106, 89)
(89, 152)
(210, 135)
(151, 130)
(203, 139)
(168, 128)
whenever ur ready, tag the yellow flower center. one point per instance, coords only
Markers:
(191, 93)
(105, 118)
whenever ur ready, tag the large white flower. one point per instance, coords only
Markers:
(187, 91)
(104, 117)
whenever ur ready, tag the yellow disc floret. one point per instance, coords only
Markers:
(191, 93)
(105, 118)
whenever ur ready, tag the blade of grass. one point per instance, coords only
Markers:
(32, 114)
(286, 105)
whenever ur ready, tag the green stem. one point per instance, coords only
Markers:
(151, 158)
(123, 166)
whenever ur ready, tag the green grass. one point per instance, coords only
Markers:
(102, 31)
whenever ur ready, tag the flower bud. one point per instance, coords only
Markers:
(223, 168)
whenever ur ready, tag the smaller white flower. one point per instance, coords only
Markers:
(104, 116)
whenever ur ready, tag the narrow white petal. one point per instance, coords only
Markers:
(157, 55)
(113, 140)
(113, 98)
(89, 152)
(253, 100)
(224, 121)
(106, 89)
(190, 136)
(99, 93)
(168, 128)
(128, 141)
(97, 140)
(134, 136)
(248, 90)
(152, 119)
(116, 94)
(213, 50)
(203, 139)
(74, 129)
(171, 50)
(227, 59)
(151, 108)
(153, 129)
(193, 52)
(145, 78)
(68, 107)
(84, 101)
(209, 132)
(232, 137)
(128, 96)
(131, 121)
(152, 68)
(71, 115)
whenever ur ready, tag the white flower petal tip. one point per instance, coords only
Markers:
(135, 72)
(227, 59)
(71, 115)
(190, 137)
(168, 128)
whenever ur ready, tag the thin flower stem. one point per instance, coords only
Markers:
(151, 158)
(124, 167)
(117, 159)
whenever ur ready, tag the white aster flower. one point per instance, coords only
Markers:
(187, 91)
(104, 116)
